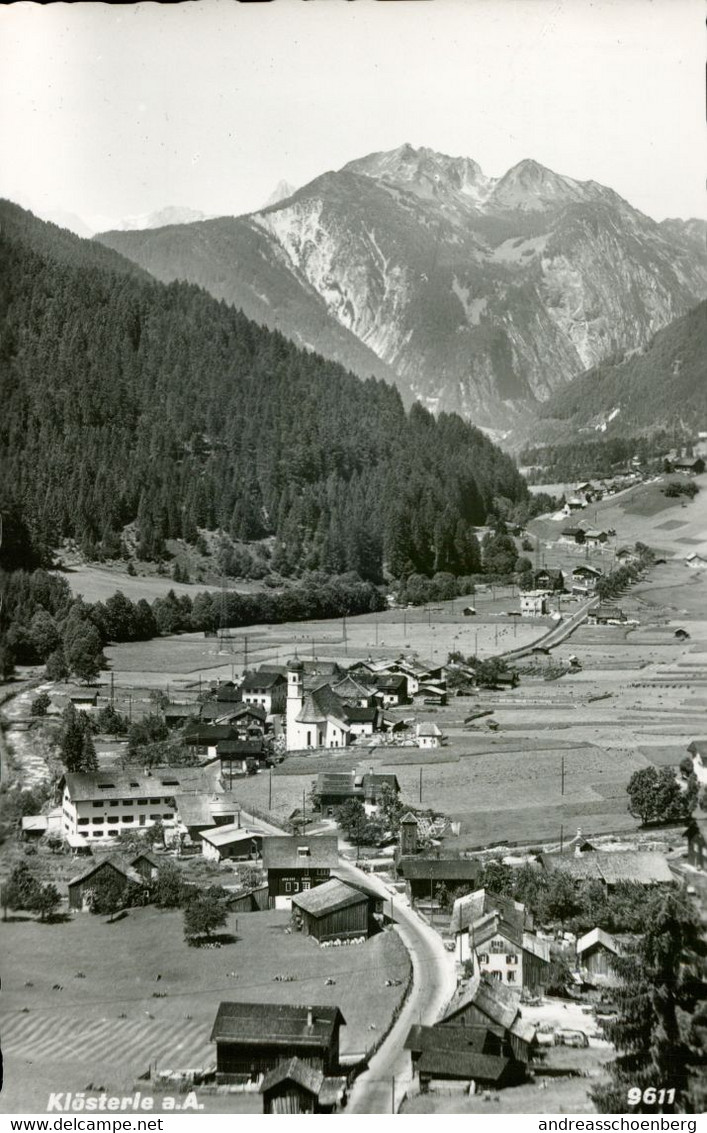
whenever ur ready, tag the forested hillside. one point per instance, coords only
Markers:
(129, 400)
(663, 385)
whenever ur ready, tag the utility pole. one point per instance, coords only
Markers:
(562, 776)
(304, 814)
(270, 791)
(245, 653)
(112, 688)
(392, 1099)
(420, 784)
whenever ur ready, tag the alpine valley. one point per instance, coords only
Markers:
(475, 294)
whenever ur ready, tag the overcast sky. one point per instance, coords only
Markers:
(111, 111)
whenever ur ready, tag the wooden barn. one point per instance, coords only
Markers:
(596, 951)
(81, 887)
(254, 1038)
(332, 911)
(296, 1087)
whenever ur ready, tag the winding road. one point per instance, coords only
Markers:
(380, 1088)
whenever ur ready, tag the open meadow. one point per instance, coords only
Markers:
(430, 631)
(63, 1031)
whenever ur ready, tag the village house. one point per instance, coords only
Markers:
(696, 834)
(695, 561)
(295, 864)
(363, 721)
(356, 693)
(205, 738)
(594, 537)
(101, 804)
(417, 673)
(548, 579)
(612, 867)
(494, 933)
(177, 715)
(265, 689)
(625, 556)
(533, 603)
(231, 843)
(424, 875)
(84, 701)
(688, 465)
(489, 1003)
(470, 1054)
(584, 579)
(255, 1038)
(334, 789)
(605, 614)
(226, 692)
(203, 812)
(573, 536)
(697, 750)
(431, 694)
(296, 1087)
(391, 689)
(239, 757)
(429, 735)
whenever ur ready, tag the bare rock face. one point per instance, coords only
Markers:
(477, 295)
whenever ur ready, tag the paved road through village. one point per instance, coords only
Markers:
(379, 1089)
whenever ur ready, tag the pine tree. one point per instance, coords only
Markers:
(658, 1036)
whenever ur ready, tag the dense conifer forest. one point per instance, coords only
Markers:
(127, 400)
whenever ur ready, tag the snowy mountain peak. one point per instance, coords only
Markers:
(281, 192)
(171, 214)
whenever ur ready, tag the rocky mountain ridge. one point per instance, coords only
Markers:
(479, 295)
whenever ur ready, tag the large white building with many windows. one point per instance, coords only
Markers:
(100, 805)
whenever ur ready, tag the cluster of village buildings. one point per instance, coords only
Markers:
(291, 1053)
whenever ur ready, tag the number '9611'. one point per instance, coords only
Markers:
(650, 1096)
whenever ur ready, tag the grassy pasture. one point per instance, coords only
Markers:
(107, 1027)
(432, 632)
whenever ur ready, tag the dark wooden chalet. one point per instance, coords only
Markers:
(333, 911)
(297, 863)
(295, 1087)
(471, 1054)
(424, 874)
(548, 579)
(254, 1038)
(488, 1003)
